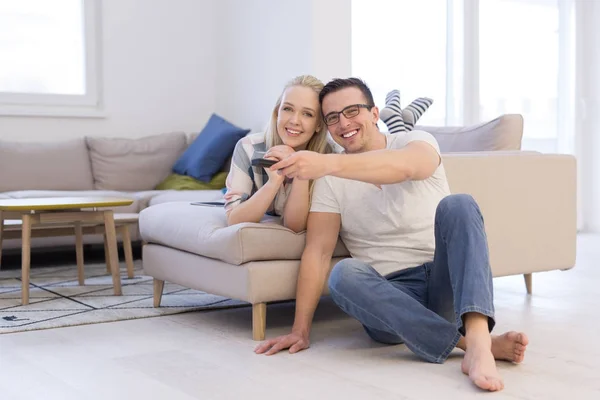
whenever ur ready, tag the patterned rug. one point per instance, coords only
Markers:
(57, 300)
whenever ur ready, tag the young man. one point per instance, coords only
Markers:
(419, 272)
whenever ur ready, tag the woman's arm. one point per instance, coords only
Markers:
(239, 188)
(295, 211)
(254, 209)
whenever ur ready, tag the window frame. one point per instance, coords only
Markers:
(66, 105)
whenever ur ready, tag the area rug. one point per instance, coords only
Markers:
(57, 300)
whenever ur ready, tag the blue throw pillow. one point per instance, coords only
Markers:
(208, 153)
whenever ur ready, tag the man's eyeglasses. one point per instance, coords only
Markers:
(349, 112)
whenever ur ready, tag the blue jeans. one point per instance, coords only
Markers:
(423, 307)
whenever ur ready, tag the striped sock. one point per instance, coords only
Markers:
(414, 111)
(391, 114)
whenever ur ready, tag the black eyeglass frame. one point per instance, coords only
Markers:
(337, 113)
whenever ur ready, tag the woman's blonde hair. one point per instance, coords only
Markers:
(318, 142)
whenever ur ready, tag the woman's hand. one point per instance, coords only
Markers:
(277, 153)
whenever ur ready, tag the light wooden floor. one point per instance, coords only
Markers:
(209, 355)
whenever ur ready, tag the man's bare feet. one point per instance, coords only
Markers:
(510, 346)
(479, 362)
(480, 365)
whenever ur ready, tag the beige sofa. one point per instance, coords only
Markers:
(94, 166)
(528, 201)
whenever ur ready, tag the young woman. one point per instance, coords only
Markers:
(296, 124)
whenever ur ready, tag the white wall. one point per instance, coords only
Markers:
(159, 73)
(168, 65)
(264, 43)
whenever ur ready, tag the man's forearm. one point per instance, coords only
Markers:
(380, 167)
(311, 279)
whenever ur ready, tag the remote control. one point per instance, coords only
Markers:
(263, 162)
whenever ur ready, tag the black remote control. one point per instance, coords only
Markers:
(263, 162)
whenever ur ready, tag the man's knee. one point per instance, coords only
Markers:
(457, 206)
(345, 275)
(383, 337)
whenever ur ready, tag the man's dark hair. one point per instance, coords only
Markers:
(339, 84)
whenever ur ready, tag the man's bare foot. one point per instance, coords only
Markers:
(480, 365)
(510, 346)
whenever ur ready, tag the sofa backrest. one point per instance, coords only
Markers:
(502, 133)
(134, 164)
(63, 165)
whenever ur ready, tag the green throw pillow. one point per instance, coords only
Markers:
(184, 182)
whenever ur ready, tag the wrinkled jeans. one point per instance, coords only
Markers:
(423, 307)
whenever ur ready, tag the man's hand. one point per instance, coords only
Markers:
(294, 341)
(280, 152)
(305, 165)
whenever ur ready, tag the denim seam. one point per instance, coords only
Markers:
(383, 322)
(449, 349)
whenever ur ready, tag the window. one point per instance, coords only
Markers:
(48, 59)
(401, 44)
(524, 69)
(476, 59)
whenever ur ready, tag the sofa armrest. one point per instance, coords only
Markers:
(529, 204)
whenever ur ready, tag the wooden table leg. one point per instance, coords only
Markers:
(25, 257)
(126, 237)
(106, 255)
(113, 255)
(79, 253)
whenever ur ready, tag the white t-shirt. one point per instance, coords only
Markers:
(391, 228)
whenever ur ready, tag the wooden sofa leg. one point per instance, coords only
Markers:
(259, 321)
(158, 291)
(528, 282)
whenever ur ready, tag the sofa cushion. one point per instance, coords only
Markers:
(502, 133)
(63, 165)
(210, 151)
(134, 164)
(187, 196)
(204, 231)
(147, 198)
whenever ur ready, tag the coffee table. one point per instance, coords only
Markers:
(123, 221)
(79, 212)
